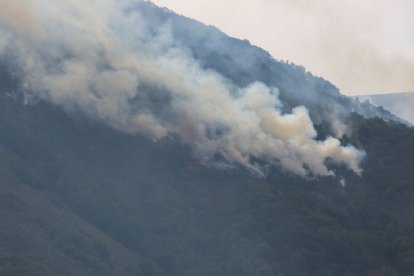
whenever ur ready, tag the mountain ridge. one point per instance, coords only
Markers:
(399, 104)
(155, 197)
(173, 214)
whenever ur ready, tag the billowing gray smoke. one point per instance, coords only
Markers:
(102, 58)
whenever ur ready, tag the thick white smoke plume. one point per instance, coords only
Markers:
(102, 58)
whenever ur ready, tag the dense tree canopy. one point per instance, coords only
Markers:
(183, 218)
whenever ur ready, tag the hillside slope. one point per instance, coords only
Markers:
(40, 236)
(84, 196)
(400, 104)
(184, 218)
(244, 63)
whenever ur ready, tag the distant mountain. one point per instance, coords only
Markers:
(400, 104)
(84, 192)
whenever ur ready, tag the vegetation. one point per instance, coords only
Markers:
(78, 198)
(183, 218)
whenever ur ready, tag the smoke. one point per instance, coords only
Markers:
(404, 108)
(360, 46)
(102, 58)
(400, 104)
(18, 14)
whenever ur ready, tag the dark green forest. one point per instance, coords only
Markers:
(78, 197)
(171, 215)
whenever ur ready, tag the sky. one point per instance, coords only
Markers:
(101, 58)
(362, 47)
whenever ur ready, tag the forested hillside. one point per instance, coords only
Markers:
(123, 152)
(400, 104)
(39, 234)
(183, 218)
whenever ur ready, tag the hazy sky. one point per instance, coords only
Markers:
(362, 46)
(106, 61)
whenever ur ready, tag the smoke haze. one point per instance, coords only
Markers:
(400, 104)
(361, 46)
(100, 57)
